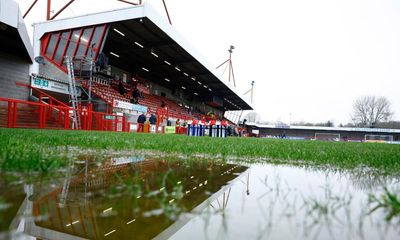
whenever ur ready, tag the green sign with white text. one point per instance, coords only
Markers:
(169, 129)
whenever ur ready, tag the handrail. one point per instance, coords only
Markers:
(33, 103)
(88, 116)
(43, 93)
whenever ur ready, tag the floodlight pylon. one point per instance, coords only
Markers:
(251, 91)
(230, 65)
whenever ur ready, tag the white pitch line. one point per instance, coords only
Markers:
(108, 209)
(105, 235)
(131, 221)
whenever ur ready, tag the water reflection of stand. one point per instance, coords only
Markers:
(225, 199)
(185, 218)
(247, 183)
(67, 181)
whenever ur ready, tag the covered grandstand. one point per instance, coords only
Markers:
(137, 47)
(131, 48)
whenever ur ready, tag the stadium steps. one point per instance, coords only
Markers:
(3, 115)
(108, 93)
(28, 117)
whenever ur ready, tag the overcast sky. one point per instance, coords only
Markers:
(310, 59)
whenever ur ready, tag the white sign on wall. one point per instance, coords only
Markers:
(130, 106)
(255, 131)
(53, 86)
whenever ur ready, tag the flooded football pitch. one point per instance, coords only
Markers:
(138, 197)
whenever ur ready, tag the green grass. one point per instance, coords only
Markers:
(42, 150)
(389, 202)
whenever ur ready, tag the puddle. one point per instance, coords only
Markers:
(119, 198)
(143, 198)
(284, 202)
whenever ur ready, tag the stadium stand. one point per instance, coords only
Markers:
(132, 47)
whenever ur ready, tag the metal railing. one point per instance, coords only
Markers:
(16, 113)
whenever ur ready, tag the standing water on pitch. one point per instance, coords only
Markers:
(144, 198)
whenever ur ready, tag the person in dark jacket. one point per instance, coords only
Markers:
(136, 95)
(153, 122)
(121, 88)
(153, 119)
(141, 120)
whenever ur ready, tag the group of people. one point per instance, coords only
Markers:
(142, 120)
(136, 93)
(212, 125)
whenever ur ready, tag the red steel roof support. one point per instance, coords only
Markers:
(166, 10)
(125, 1)
(29, 9)
(60, 11)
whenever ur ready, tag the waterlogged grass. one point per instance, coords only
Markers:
(389, 202)
(43, 150)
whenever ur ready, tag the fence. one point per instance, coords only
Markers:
(24, 114)
(53, 115)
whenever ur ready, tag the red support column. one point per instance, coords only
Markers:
(66, 119)
(124, 124)
(9, 114)
(90, 117)
(15, 115)
(116, 124)
(85, 120)
(44, 116)
(40, 116)
(59, 116)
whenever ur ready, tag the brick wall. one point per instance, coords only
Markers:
(13, 69)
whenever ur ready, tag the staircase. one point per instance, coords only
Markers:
(28, 116)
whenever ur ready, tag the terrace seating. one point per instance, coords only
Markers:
(109, 93)
(174, 110)
(106, 93)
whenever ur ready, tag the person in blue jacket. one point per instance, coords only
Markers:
(153, 122)
(141, 120)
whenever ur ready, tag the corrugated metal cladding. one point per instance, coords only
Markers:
(13, 68)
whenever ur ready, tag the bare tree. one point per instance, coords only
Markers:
(253, 117)
(368, 111)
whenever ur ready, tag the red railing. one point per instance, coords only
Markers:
(24, 114)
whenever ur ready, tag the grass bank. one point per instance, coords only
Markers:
(29, 149)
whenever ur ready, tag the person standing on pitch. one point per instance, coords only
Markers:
(141, 120)
(153, 121)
